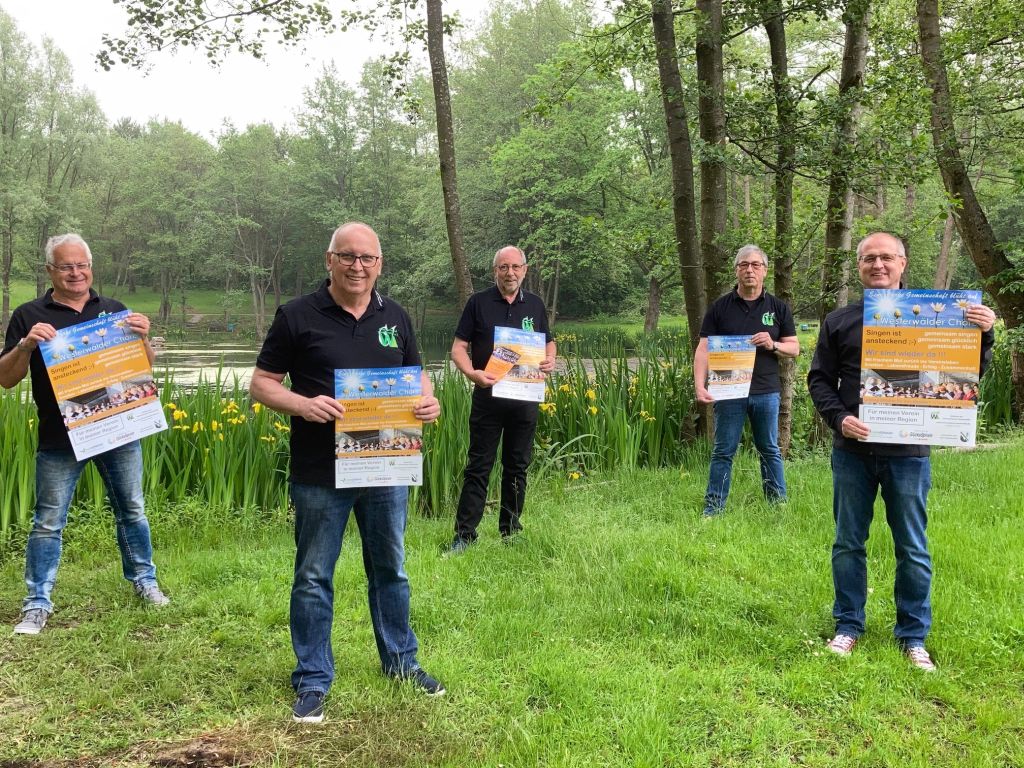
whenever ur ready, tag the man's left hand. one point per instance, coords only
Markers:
(427, 409)
(138, 324)
(981, 316)
(547, 365)
(762, 340)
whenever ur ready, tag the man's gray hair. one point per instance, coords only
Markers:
(70, 238)
(748, 249)
(895, 238)
(497, 253)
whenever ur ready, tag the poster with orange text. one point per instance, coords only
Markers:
(730, 366)
(524, 379)
(920, 362)
(103, 383)
(378, 442)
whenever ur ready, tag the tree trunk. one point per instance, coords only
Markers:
(711, 118)
(975, 231)
(653, 313)
(683, 201)
(839, 202)
(944, 265)
(446, 149)
(785, 109)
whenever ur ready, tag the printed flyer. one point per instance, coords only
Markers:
(103, 383)
(522, 352)
(378, 442)
(919, 367)
(730, 366)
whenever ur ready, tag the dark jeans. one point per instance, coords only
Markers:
(904, 482)
(321, 515)
(730, 415)
(513, 423)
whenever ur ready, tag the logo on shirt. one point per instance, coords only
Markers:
(388, 336)
(528, 324)
(768, 318)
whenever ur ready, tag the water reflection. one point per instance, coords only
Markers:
(189, 362)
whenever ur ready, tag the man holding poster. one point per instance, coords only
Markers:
(504, 346)
(345, 325)
(70, 302)
(748, 322)
(860, 468)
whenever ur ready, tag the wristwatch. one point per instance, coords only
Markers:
(775, 347)
(22, 345)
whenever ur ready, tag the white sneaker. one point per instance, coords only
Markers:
(841, 644)
(919, 657)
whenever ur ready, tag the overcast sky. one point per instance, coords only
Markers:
(183, 86)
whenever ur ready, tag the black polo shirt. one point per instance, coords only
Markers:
(487, 309)
(52, 432)
(310, 337)
(732, 315)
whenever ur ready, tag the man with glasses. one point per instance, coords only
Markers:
(71, 300)
(345, 323)
(859, 469)
(747, 310)
(494, 419)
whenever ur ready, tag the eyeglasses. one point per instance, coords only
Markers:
(348, 259)
(66, 269)
(507, 267)
(885, 258)
(743, 266)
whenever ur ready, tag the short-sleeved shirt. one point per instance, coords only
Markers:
(53, 435)
(732, 315)
(310, 337)
(488, 309)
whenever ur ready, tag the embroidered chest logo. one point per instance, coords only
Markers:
(528, 324)
(768, 318)
(388, 336)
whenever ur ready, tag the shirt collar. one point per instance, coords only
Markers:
(520, 298)
(48, 298)
(324, 300)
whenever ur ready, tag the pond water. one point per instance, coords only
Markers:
(189, 362)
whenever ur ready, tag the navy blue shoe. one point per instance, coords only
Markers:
(309, 707)
(423, 682)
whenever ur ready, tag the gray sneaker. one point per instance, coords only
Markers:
(32, 622)
(152, 595)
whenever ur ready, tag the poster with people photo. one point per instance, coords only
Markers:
(378, 442)
(919, 367)
(519, 354)
(730, 366)
(103, 383)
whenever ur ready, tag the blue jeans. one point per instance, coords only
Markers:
(321, 515)
(730, 415)
(57, 473)
(904, 482)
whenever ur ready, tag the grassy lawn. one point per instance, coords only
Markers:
(621, 630)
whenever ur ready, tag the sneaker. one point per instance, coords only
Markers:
(424, 682)
(309, 707)
(919, 657)
(152, 595)
(841, 644)
(459, 545)
(32, 622)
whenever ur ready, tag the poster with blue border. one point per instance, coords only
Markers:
(920, 364)
(379, 441)
(103, 383)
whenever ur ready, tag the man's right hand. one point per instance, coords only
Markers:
(703, 396)
(854, 428)
(37, 333)
(321, 409)
(482, 378)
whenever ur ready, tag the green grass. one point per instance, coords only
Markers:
(621, 630)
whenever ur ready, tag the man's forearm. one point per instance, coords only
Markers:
(14, 367)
